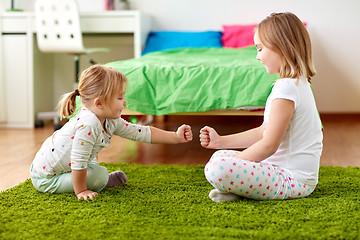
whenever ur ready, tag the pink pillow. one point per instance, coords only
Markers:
(238, 36)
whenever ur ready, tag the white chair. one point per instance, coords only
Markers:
(58, 31)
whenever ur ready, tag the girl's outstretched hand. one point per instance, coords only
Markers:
(87, 194)
(184, 133)
(209, 138)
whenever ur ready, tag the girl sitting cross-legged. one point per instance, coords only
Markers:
(281, 157)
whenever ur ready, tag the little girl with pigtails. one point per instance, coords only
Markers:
(67, 160)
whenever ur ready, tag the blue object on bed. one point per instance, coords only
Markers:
(166, 40)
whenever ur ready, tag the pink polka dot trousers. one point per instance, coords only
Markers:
(252, 179)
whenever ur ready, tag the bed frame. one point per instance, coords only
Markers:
(128, 112)
(161, 119)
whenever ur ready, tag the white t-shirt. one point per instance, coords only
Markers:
(300, 149)
(79, 140)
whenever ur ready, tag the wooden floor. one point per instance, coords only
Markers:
(18, 147)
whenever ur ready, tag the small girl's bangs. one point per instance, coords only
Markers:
(115, 84)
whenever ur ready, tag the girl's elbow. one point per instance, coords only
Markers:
(271, 148)
(272, 151)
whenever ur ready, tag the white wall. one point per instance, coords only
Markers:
(332, 24)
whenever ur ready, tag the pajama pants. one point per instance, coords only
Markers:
(96, 179)
(251, 179)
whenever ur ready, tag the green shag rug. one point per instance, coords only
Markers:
(171, 202)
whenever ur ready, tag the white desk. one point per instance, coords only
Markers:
(25, 72)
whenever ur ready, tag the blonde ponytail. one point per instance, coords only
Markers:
(67, 104)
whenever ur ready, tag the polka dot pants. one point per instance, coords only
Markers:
(252, 180)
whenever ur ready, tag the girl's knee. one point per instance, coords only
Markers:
(225, 153)
(97, 177)
(219, 153)
(103, 175)
(216, 168)
(216, 153)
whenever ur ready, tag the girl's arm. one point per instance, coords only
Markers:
(83, 143)
(182, 135)
(79, 183)
(282, 111)
(209, 138)
(149, 134)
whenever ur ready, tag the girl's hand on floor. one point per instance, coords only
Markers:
(184, 133)
(209, 138)
(87, 194)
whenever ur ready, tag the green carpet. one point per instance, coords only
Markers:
(171, 202)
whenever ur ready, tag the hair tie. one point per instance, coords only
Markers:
(77, 92)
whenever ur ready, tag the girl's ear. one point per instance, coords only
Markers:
(98, 103)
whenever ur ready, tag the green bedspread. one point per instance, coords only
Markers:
(195, 79)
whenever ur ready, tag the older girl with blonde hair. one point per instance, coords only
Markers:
(281, 157)
(67, 160)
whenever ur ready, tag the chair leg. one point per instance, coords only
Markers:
(77, 67)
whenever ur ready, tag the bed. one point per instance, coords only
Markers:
(195, 73)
